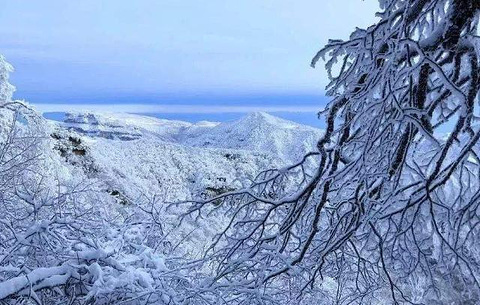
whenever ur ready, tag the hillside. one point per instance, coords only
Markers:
(139, 159)
(256, 132)
(142, 156)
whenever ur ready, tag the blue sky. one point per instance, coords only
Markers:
(247, 52)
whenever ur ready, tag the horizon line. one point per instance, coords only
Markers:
(165, 108)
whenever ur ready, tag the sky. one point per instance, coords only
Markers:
(176, 53)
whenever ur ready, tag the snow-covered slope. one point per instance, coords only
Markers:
(146, 167)
(122, 126)
(259, 132)
(139, 156)
(137, 159)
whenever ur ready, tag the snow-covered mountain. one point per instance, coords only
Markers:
(258, 131)
(140, 156)
(139, 159)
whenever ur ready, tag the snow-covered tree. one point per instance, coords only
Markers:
(6, 89)
(391, 212)
(65, 240)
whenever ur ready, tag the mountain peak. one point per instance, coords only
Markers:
(262, 116)
(259, 114)
(261, 132)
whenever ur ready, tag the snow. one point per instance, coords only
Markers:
(139, 159)
(142, 156)
(261, 132)
(19, 283)
(100, 216)
(258, 132)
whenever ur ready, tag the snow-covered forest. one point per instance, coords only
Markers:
(381, 207)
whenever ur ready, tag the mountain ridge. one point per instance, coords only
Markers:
(256, 131)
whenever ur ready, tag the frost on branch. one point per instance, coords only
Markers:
(6, 89)
(63, 240)
(391, 209)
